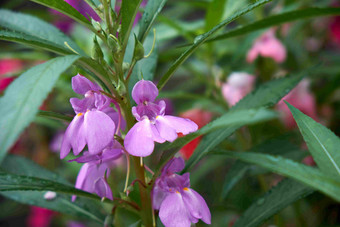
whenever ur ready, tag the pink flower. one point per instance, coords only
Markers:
(335, 30)
(9, 66)
(238, 85)
(267, 45)
(39, 217)
(301, 98)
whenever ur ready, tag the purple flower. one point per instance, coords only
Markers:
(178, 204)
(92, 175)
(94, 123)
(153, 125)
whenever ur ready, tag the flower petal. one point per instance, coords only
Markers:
(196, 205)
(99, 130)
(102, 188)
(174, 165)
(139, 140)
(181, 125)
(74, 137)
(165, 129)
(173, 212)
(80, 84)
(82, 175)
(144, 90)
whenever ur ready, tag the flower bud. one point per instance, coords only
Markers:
(97, 53)
(138, 52)
(126, 66)
(113, 44)
(96, 25)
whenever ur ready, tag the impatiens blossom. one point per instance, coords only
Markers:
(92, 175)
(335, 30)
(94, 123)
(238, 85)
(201, 118)
(302, 99)
(178, 204)
(267, 45)
(39, 217)
(153, 125)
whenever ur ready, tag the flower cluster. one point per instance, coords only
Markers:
(178, 204)
(153, 125)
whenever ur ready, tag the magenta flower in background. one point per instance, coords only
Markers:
(94, 123)
(238, 85)
(301, 98)
(39, 217)
(178, 204)
(267, 45)
(92, 175)
(153, 125)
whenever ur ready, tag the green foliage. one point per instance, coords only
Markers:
(35, 32)
(25, 95)
(82, 207)
(279, 197)
(322, 143)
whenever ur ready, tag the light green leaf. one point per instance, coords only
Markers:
(279, 197)
(199, 40)
(24, 96)
(300, 172)
(152, 9)
(277, 20)
(214, 13)
(26, 28)
(322, 143)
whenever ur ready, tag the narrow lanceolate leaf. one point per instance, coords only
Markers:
(199, 40)
(279, 197)
(82, 207)
(128, 11)
(24, 96)
(53, 115)
(322, 143)
(33, 31)
(277, 20)
(152, 9)
(65, 8)
(308, 175)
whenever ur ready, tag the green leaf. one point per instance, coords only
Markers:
(277, 20)
(65, 8)
(152, 9)
(214, 13)
(279, 197)
(199, 40)
(82, 207)
(300, 172)
(128, 11)
(31, 30)
(53, 115)
(322, 143)
(24, 96)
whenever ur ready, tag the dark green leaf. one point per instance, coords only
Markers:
(215, 13)
(322, 143)
(199, 40)
(26, 28)
(128, 11)
(277, 20)
(279, 197)
(65, 8)
(152, 9)
(53, 115)
(82, 207)
(300, 172)
(23, 97)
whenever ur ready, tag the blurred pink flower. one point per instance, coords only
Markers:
(39, 217)
(335, 30)
(301, 98)
(9, 66)
(238, 85)
(267, 45)
(309, 161)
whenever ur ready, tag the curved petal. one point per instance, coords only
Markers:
(102, 188)
(144, 90)
(74, 137)
(165, 129)
(174, 165)
(196, 205)
(82, 175)
(138, 141)
(80, 84)
(81, 105)
(173, 212)
(181, 125)
(99, 130)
